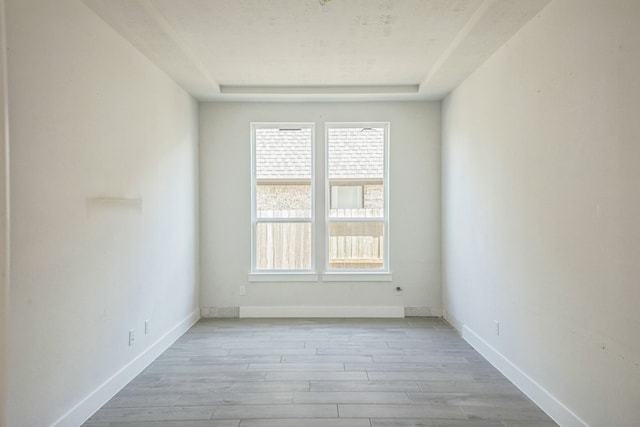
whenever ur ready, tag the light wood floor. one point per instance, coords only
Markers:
(312, 373)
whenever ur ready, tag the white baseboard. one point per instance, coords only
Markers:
(101, 395)
(545, 400)
(323, 311)
(452, 321)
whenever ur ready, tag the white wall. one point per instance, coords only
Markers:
(414, 206)
(92, 118)
(541, 200)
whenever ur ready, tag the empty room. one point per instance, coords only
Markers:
(345, 213)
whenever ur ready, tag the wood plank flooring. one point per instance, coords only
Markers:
(320, 373)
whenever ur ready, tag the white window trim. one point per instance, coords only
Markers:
(279, 276)
(327, 275)
(282, 275)
(331, 275)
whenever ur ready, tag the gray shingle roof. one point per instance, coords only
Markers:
(354, 153)
(283, 154)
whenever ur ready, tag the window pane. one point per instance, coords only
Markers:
(356, 245)
(283, 201)
(356, 160)
(283, 246)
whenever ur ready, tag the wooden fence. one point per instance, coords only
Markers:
(352, 244)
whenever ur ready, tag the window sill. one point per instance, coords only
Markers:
(357, 277)
(282, 277)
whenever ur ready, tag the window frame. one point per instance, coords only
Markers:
(281, 274)
(343, 273)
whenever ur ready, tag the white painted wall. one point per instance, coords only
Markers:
(541, 171)
(225, 180)
(90, 118)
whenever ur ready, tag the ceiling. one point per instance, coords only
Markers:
(317, 49)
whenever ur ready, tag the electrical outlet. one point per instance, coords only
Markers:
(132, 336)
(497, 326)
(243, 290)
(147, 327)
(398, 290)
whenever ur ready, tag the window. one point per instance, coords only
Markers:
(355, 198)
(282, 197)
(357, 207)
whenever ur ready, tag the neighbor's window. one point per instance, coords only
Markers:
(357, 217)
(282, 197)
(347, 196)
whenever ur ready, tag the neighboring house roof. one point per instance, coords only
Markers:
(355, 153)
(283, 154)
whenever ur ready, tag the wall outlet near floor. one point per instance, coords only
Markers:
(497, 327)
(147, 327)
(132, 336)
(243, 290)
